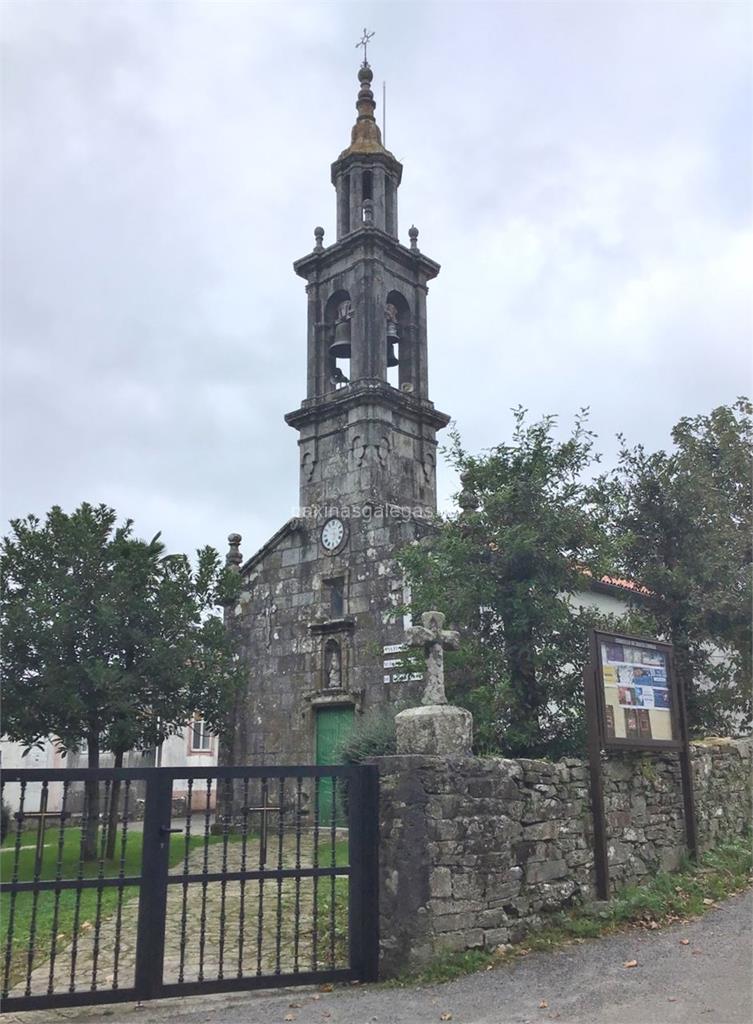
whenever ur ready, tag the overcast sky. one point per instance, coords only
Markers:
(582, 171)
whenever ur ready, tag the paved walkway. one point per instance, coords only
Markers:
(707, 981)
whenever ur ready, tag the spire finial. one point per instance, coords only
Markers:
(364, 42)
(366, 136)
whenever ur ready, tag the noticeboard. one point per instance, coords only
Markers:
(636, 693)
(633, 702)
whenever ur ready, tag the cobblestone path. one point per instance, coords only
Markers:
(213, 929)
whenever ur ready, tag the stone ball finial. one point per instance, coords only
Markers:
(233, 558)
(413, 235)
(318, 239)
(365, 74)
(467, 500)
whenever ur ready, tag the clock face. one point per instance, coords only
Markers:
(333, 534)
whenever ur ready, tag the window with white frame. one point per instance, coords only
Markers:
(200, 739)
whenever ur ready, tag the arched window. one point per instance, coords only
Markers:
(398, 319)
(390, 218)
(338, 314)
(367, 185)
(344, 198)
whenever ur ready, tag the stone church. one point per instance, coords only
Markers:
(319, 613)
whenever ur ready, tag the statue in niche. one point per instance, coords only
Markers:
(333, 666)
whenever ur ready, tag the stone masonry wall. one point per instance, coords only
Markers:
(474, 850)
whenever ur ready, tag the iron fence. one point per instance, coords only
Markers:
(214, 879)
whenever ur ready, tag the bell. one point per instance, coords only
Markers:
(392, 359)
(340, 347)
(392, 331)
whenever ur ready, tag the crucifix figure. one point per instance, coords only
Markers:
(434, 640)
(364, 42)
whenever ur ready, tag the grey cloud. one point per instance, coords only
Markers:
(581, 171)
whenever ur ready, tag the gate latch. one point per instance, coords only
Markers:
(165, 831)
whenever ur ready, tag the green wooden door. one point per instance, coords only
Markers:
(333, 725)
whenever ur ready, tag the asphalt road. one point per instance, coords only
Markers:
(707, 981)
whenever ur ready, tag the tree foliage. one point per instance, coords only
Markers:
(505, 568)
(681, 521)
(106, 638)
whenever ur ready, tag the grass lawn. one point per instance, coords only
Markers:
(332, 905)
(38, 909)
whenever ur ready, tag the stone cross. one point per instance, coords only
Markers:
(434, 640)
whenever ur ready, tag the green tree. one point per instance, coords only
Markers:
(682, 524)
(107, 639)
(505, 569)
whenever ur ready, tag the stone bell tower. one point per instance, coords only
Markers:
(319, 616)
(367, 427)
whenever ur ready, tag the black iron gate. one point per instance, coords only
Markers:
(128, 884)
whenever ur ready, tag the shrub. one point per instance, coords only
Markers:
(373, 735)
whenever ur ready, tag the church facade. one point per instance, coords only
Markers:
(318, 618)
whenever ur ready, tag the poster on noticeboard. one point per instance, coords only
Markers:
(637, 696)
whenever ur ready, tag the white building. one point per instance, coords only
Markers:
(194, 746)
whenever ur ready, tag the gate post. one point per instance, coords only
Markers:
(150, 937)
(363, 841)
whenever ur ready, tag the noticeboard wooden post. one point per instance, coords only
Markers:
(633, 702)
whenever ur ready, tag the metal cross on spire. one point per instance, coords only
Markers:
(364, 42)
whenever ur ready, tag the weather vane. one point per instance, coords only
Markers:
(364, 42)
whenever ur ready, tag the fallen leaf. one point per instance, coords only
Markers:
(652, 925)
(630, 963)
(684, 942)
(289, 1016)
(671, 999)
(543, 1005)
(295, 1006)
(445, 1016)
(327, 987)
(316, 996)
(708, 903)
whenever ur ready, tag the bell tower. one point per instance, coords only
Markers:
(367, 428)
(319, 616)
